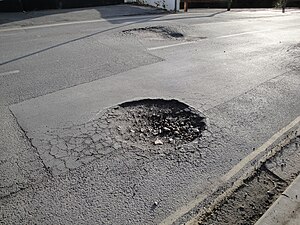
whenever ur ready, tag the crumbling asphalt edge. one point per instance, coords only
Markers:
(255, 165)
(286, 209)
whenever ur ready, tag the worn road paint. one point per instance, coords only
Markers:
(185, 209)
(243, 33)
(220, 37)
(168, 46)
(161, 17)
(153, 17)
(79, 22)
(9, 72)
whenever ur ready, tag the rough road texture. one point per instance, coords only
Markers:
(178, 33)
(156, 32)
(286, 163)
(20, 165)
(122, 174)
(294, 52)
(249, 202)
(122, 186)
(148, 128)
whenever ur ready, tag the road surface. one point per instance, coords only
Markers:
(239, 68)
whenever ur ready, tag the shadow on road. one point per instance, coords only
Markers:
(105, 14)
(75, 14)
(77, 39)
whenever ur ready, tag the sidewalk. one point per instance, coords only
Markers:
(286, 209)
(22, 19)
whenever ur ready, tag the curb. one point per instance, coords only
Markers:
(286, 209)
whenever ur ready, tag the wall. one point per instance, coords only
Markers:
(163, 4)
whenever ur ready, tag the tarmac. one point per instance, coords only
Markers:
(286, 210)
(17, 19)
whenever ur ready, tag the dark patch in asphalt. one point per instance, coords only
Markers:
(150, 129)
(156, 31)
(167, 121)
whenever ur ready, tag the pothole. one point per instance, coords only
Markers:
(156, 32)
(147, 129)
(158, 122)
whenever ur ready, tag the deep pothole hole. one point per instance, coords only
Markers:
(164, 32)
(160, 122)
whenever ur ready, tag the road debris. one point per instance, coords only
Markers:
(158, 142)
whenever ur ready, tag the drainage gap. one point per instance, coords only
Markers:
(248, 203)
(258, 192)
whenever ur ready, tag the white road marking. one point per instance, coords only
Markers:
(50, 25)
(243, 33)
(9, 72)
(162, 16)
(219, 37)
(259, 150)
(193, 42)
(168, 46)
(154, 16)
(185, 209)
(79, 22)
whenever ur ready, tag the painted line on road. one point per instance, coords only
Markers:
(169, 46)
(243, 33)
(229, 175)
(155, 17)
(259, 150)
(51, 25)
(80, 22)
(152, 16)
(193, 42)
(220, 37)
(10, 72)
(254, 32)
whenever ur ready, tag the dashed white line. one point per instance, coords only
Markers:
(193, 42)
(168, 46)
(243, 33)
(153, 17)
(80, 22)
(219, 37)
(50, 25)
(9, 72)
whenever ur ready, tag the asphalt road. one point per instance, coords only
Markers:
(240, 68)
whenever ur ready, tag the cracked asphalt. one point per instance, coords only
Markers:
(62, 159)
(116, 132)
